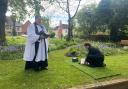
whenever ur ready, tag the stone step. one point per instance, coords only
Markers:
(113, 84)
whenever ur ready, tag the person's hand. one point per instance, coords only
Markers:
(43, 36)
(48, 35)
(41, 32)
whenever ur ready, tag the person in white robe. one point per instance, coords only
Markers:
(36, 49)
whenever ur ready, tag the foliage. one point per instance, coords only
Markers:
(18, 8)
(56, 44)
(19, 43)
(52, 35)
(86, 20)
(116, 18)
(104, 12)
(109, 49)
(17, 40)
(15, 6)
(124, 32)
(11, 55)
(38, 6)
(45, 22)
(108, 15)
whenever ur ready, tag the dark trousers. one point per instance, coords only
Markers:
(36, 65)
(95, 60)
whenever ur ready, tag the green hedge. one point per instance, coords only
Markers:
(11, 55)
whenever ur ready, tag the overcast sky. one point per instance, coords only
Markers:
(56, 14)
(55, 11)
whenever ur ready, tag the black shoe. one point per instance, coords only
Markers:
(26, 68)
(36, 69)
(103, 65)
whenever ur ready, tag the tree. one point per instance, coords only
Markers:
(19, 8)
(35, 5)
(14, 6)
(3, 9)
(124, 32)
(104, 12)
(45, 22)
(66, 6)
(114, 14)
(120, 18)
(38, 6)
(86, 20)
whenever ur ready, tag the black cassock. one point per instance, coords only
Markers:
(36, 65)
(41, 64)
(95, 58)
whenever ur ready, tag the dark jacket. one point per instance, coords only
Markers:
(94, 51)
(95, 57)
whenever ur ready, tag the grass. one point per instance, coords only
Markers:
(59, 76)
(97, 72)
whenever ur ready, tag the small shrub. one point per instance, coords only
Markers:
(107, 48)
(11, 55)
(17, 40)
(52, 35)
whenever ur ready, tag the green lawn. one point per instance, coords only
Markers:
(59, 76)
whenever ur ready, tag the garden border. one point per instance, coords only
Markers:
(112, 84)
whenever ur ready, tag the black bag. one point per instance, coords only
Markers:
(74, 59)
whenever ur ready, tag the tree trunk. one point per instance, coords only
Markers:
(3, 9)
(2, 30)
(114, 36)
(37, 7)
(69, 30)
(14, 28)
(70, 18)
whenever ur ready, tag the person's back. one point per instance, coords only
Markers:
(95, 57)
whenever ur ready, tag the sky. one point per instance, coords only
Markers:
(56, 14)
(60, 15)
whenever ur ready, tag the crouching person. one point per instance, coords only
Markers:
(95, 57)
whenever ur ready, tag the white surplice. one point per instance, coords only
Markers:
(32, 37)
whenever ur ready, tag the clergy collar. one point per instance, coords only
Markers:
(36, 23)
